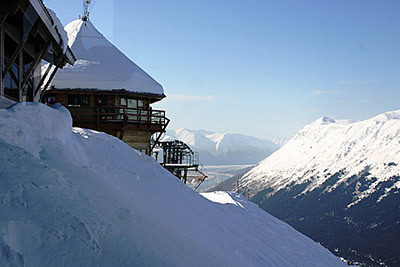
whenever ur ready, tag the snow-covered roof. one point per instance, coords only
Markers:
(101, 65)
(60, 29)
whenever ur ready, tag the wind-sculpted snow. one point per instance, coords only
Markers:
(76, 197)
(325, 147)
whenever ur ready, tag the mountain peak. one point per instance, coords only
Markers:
(326, 120)
(390, 115)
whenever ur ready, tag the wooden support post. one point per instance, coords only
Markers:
(1, 60)
(20, 47)
(185, 175)
(48, 82)
(123, 128)
(98, 118)
(13, 58)
(3, 17)
(159, 136)
(33, 67)
(20, 74)
(37, 89)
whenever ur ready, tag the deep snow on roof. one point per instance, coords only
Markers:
(100, 65)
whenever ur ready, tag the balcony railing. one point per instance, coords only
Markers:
(115, 115)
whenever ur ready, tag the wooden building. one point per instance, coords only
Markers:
(105, 91)
(29, 34)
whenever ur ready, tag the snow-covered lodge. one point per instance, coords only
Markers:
(104, 90)
(29, 34)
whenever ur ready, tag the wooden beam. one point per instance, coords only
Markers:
(37, 89)
(20, 74)
(3, 17)
(33, 67)
(19, 48)
(13, 76)
(160, 135)
(10, 6)
(29, 47)
(13, 32)
(48, 82)
(123, 128)
(1, 60)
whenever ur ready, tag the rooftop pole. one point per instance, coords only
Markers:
(85, 13)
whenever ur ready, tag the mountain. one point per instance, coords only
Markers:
(279, 141)
(224, 149)
(338, 182)
(76, 197)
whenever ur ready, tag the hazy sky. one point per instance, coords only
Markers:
(258, 67)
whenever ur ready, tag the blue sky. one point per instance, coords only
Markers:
(258, 67)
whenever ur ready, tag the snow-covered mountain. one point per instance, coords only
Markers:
(279, 141)
(338, 182)
(76, 197)
(224, 149)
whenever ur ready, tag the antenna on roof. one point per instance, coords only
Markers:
(85, 15)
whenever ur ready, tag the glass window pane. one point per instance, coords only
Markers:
(84, 100)
(140, 103)
(132, 103)
(73, 100)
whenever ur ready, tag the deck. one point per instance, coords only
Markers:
(116, 118)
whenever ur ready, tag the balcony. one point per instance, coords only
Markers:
(116, 118)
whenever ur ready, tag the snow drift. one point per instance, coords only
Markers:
(76, 197)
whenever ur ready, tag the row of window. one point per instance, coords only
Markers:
(131, 103)
(84, 100)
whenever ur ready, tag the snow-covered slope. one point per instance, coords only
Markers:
(337, 181)
(100, 65)
(75, 197)
(279, 141)
(223, 149)
(326, 147)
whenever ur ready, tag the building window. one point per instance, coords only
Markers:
(132, 103)
(101, 100)
(78, 100)
(140, 104)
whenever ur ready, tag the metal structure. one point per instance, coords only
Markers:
(85, 13)
(180, 160)
(28, 35)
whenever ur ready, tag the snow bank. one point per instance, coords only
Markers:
(29, 125)
(76, 197)
(5, 102)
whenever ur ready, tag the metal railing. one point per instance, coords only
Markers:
(105, 114)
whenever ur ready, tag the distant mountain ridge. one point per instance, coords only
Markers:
(220, 149)
(337, 181)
